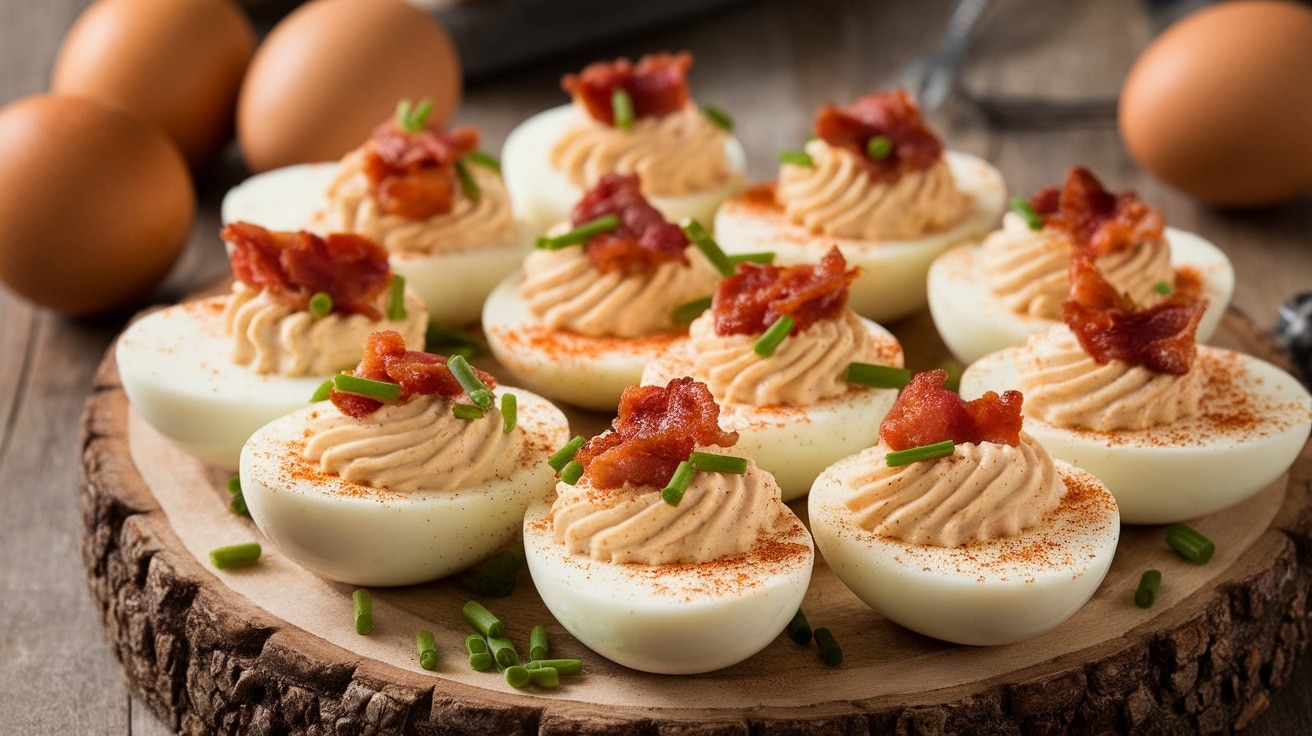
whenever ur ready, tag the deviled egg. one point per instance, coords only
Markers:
(414, 469)
(959, 525)
(992, 295)
(1176, 430)
(876, 182)
(625, 118)
(208, 373)
(656, 564)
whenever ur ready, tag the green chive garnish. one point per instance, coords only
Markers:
(480, 659)
(396, 299)
(233, 484)
(563, 666)
(1163, 288)
(236, 555)
(769, 340)
(719, 118)
(383, 391)
(566, 453)
(322, 393)
(495, 576)
(879, 147)
(484, 159)
(516, 676)
(413, 118)
(509, 413)
(427, 649)
(503, 651)
(762, 257)
(468, 186)
(877, 376)
(799, 629)
(1023, 208)
(482, 620)
(829, 650)
(570, 474)
(364, 611)
(1146, 593)
(544, 676)
(467, 412)
(685, 313)
(672, 493)
(916, 454)
(711, 463)
(537, 643)
(707, 245)
(796, 158)
(238, 503)
(478, 391)
(1190, 544)
(321, 304)
(621, 106)
(580, 234)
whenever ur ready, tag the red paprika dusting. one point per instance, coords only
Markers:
(413, 174)
(385, 358)
(1096, 220)
(758, 294)
(643, 240)
(892, 114)
(657, 85)
(925, 413)
(293, 266)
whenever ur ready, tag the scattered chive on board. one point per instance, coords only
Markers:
(796, 158)
(563, 666)
(427, 649)
(672, 493)
(685, 313)
(537, 644)
(711, 463)
(480, 659)
(321, 304)
(829, 649)
(396, 299)
(1146, 593)
(235, 555)
(580, 234)
(775, 334)
(621, 105)
(364, 611)
(1191, 545)
(495, 576)
(516, 676)
(916, 454)
(877, 376)
(482, 620)
(383, 391)
(503, 651)
(1023, 208)
(544, 677)
(560, 458)
(700, 237)
(799, 629)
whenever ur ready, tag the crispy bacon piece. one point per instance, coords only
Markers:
(657, 85)
(757, 295)
(892, 114)
(1097, 220)
(654, 431)
(420, 374)
(926, 413)
(643, 241)
(293, 266)
(1110, 326)
(413, 175)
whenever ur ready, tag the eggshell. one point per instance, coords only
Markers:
(176, 64)
(332, 70)
(1219, 107)
(95, 203)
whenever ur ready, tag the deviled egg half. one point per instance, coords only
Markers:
(434, 200)
(798, 404)
(992, 295)
(877, 182)
(596, 301)
(208, 373)
(659, 549)
(625, 118)
(415, 468)
(959, 525)
(1176, 430)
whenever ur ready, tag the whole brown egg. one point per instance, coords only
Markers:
(95, 203)
(177, 64)
(332, 70)
(1220, 104)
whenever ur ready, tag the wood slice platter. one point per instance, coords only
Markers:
(272, 648)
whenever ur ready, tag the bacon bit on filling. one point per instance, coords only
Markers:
(1097, 220)
(413, 175)
(656, 85)
(293, 266)
(656, 428)
(1110, 326)
(643, 241)
(892, 114)
(926, 413)
(757, 295)
(420, 374)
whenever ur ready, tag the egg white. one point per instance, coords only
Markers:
(892, 282)
(973, 321)
(453, 285)
(543, 196)
(1156, 478)
(671, 619)
(986, 593)
(360, 535)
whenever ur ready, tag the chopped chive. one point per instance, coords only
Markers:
(427, 649)
(516, 676)
(580, 234)
(1190, 544)
(238, 505)
(482, 620)
(235, 555)
(396, 299)
(796, 158)
(621, 106)
(707, 245)
(413, 118)
(769, 340)
(467, 412)
(321, 304)
(484, 159)
(480, 659)
(475, 644)
(570, 474)
(364, 611)
(468, 186)
(829, 650)
(916, 454)
(478, 391)
(799, 629)
(1163, 288)
(544, 676)
(762, 257)
(685, 313)
(711, 463)
(719, 118)
(563, 666)
(495, 576)
(323, 392)
(878, 147)
(503, 651)
(537, 643)
(233, 484)
(509, 413)
(877, 376)
(560, 457)
(383, 391)
(1023, 208)
(672, 493)
(1146, 593)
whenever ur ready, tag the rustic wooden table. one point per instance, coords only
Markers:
(770, 63)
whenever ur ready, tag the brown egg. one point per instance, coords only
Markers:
(1220, 104)
(176, 64)
(332, 70)
(95, 203)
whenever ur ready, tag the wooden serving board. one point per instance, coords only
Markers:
(272, 648)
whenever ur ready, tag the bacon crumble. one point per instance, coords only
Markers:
(643, 240)
(657, 85)
(385, 358)
(413, 174)
(1096, 220)
(892, 114)
(926, 413)
(758, 294)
